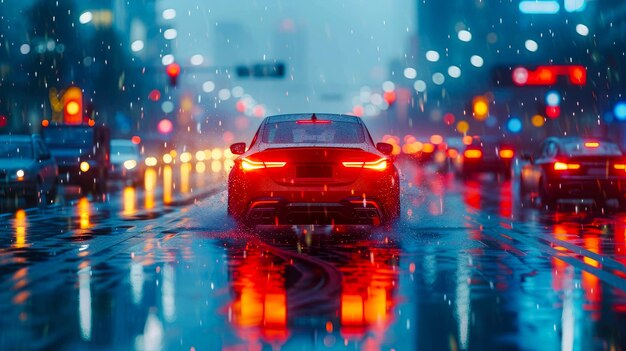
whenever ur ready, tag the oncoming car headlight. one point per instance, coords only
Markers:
(130, 164)
(84, 166)
(19, 175)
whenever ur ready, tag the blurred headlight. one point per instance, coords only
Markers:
(167, 159)
(151, 161)
(20, 173)
(84, 166)
(130, 164)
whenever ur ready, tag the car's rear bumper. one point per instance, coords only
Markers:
(279, 211)
(72, 175)
(588, 188)
(24, 188)
(486, 166)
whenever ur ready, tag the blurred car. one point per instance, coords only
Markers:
(126, 161)
(487, 155)
(27, 169)
(575, 167)
(82, 153)
(313, 169)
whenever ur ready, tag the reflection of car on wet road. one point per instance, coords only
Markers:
(320, 169)
(126, 162)
(82, 152)
(574, 167)
(27, 169)
(487, 155)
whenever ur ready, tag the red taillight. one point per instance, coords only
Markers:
(379, 165)
(620, 166)
(592, 144)
(561, 166)
(506, 153)
(250, 165)
(473, 153)
(313, 121)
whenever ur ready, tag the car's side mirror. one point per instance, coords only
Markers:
(385, 148)
(44, 157)
(238, 148)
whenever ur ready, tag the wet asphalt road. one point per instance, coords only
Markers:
(469, 266)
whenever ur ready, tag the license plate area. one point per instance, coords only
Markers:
(314, 171)
(596, 171)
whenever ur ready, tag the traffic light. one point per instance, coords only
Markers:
(173, 71)
(73, 106)
(480, 107)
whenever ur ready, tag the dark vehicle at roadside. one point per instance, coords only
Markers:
(487, 155)
(575, 168)
(313, 169)
(82, 153)
(126, 161)
(27, 169)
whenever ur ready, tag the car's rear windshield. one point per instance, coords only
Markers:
(583, 148)
(68, 137)
(321, 132)
(13, 150)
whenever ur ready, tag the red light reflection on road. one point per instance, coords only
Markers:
(591, 283)
(506, 203)
(472, 196)
(259, 307)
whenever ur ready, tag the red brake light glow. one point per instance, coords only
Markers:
(561, 166)
(620, 166)
(473, 153)
(506, 153)
(250, 165)
(379, 165)
(592, 144)
(313, 121)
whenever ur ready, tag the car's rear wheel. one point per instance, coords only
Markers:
(547, 199)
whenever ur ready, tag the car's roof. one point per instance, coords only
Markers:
(320, 116)
(23, 138)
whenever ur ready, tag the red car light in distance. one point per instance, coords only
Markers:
(592, 144)
(506, 153)
(313, 121)
(473, 153)
(250, 165)
(548, 75)
(620, 166)
(379, 165)
(561, 166)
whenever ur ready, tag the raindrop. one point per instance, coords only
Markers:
(432, 55)
(582, 30)
(197, 60)
(531, 45)
(167, 59)
(25, 49)
(170, 34)
(420, 86)
(465, 36)
(477, 61)
(208, 86)
(454, 71)
(169, 14)
(224, 94)
(410, 73)
(438, 78)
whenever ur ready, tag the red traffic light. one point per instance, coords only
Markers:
(73, 106)
(173, 70)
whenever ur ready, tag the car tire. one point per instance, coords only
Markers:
(547, 199)
(52, 193)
